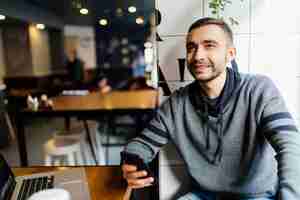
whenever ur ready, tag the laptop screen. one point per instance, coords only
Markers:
(7, 180)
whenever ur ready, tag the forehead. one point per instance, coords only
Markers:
(207, 32)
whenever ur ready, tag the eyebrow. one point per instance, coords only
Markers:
(190, 43)
(210, 41)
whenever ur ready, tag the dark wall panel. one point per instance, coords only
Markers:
(17, 50)
(56, 39)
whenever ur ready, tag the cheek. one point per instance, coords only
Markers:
(189, 58)
(218, 57)
(213, 58)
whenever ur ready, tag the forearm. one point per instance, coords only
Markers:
(140, 148)
(152, 138)
(288, 157)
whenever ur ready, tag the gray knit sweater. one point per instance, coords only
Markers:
(253, 121)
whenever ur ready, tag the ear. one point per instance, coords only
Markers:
(231, 53)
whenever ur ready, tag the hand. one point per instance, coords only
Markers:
(135, 178)
(105, 89)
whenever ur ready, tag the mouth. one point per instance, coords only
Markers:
(200, 67)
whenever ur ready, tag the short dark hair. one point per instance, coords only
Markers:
(208, 21)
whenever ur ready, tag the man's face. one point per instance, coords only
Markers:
(208, 52)
(72, 55)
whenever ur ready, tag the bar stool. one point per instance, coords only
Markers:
(59, 148)
(90, 141)
(87, 133)
(91, 128)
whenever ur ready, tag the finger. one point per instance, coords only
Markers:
(138, 187)
(128, 168)
(135, 175)
(140, 182)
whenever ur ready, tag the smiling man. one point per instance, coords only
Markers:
(232, 130)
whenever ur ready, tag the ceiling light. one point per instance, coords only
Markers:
(119, 12)
(40, 26)
(2, 17)
(139, 20)
(84, 11)
(103, 22)
(132, 9)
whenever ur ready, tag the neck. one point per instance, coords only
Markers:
(214, 87)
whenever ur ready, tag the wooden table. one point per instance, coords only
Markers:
(91, 106)
(118, 100)
(105, 183)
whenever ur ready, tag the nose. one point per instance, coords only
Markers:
(199, 53)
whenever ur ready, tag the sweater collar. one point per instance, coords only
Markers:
(201, 102)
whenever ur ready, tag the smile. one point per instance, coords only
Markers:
(200, 68)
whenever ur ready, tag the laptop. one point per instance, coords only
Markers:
(22, 187)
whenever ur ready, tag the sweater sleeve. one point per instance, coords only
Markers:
(154, 136)
(279, 128)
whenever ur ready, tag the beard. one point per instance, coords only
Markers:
(214, 72)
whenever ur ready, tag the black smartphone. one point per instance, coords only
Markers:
(133, 159)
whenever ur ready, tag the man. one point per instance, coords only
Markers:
(75, 67)
(227, 127)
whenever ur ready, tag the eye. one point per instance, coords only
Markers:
(190, 48)
(210, 46)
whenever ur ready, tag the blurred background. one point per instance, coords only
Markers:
(73, 43)
(51, 46)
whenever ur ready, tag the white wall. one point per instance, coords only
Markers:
(2, 61)
(86, 48)
(40, 51)
(267, 42)
(275, 47)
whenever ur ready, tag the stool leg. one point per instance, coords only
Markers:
(71, 158)
(86, 154)
(89, 139)
(99, 147)
(79, 158)
(48, 160)
(96, 144)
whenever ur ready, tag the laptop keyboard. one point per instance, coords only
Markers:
(32, 185)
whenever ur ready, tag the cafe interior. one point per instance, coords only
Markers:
(80, 78)
(57, 54)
